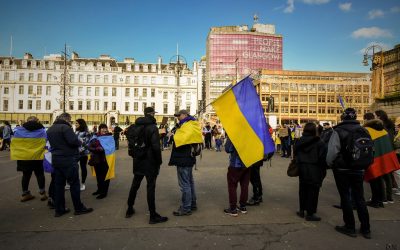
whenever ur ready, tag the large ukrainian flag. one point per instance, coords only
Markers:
(28, 145)
(108, 144)
(242, 115)
(188, 133)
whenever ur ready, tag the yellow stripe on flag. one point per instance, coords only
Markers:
(375, 133)
(27, 148)
(188, 133)
(111, 166)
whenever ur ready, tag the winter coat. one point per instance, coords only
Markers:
(97, 154)
(182, 156)
(149, 165)
(84, 137)
(64, 143)
(310, 154)
(30, 164)
(326, 135)
(234, 159)
(7, 132)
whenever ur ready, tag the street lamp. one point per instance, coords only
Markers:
(179, 63)
(377, 63)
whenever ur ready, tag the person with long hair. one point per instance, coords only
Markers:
(82, 131)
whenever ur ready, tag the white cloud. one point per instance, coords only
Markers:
(371, 32)
(375, 14)
(290, 7)
(395, 9)
(315, 1)
(383, 45)
(345, 7)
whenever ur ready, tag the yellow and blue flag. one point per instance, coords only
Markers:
(342, 103)
(242, 115)
(28, 145)
(108, 144)
(188, 133)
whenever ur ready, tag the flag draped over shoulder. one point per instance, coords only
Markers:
(385, 159)
(242, 116)
(108, 144)
(28, 145)
(188, 133)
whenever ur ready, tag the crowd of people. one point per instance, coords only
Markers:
(345, 148)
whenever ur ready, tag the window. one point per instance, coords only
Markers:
(88, 91)
(72, 78)
(127, 79)
(80, 105)
(165, 95)
(114, 106)
(144, 105)
(39, 90)
(88, 105)
(105, 106)
(312, 98)
(165, 80)
(89, 78)
(21, 76)
(96, 105)
(49, 77)
(135, 92)
(114, 79)
(71, 105)
(136, 80)
(153, 105)
(20, 104)
(106, 79)
(6, 90)
(144, 93)
(153, 92)
(165, 108)
(48, 105)
(38, 105)
(5, 105)
(48, 90)
(135, 106)
(97, 79)
(153, 80)
(97, 91)
(127, 92)
(30, 77)
(30, 90)
(145, 80)
(105, 91)
(188, 108)
(21, 90)
(126, 106)
(80, 91)
(80, 78)
(114, 91)
(188, 96)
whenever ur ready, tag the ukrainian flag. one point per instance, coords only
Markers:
(28, 145)
(242, 115)
(108, 144)
(188, 133)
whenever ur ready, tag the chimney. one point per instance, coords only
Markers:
(28, 56)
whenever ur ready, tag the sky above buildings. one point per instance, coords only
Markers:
(321, 35)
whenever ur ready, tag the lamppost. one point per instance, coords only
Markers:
(377, 63)
(179, 64)
(64, 90)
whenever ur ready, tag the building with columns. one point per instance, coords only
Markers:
(97, 89)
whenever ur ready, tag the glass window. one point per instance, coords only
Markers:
(88, 105)
(106, 79)
(88, 91)
(49, 77)
(105, 108)
(30, 90)
(97, 79)
(48, 105)
(127, 92)
(153, 92)
(71, 105)
(5, 105)
(114, 79)
(165, 108)
(144, 105)
(127, 79)
(153, 105)
(30, 77)
(165, 95)
(6, 76)
(126, 106)
(80, 105)
(21, 76)
(135, 106)
(105, 91)
(135, 92)
(114, 106)
(144, 92)
(30, 104)
(89, 78)
(21, 90)
(6, 90)
(97, 91)
(80, 78)
(80, 91)
(39, 90)
(20, 104)
(114, 91)
(136, 80)
(96, 105)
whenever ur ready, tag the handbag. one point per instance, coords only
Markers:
(293, 169)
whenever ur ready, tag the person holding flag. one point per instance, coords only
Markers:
(102, 159)
(27, 147)
(187, 133)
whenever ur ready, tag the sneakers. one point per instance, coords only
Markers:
(43, 196)
(253, 202)
(59, 214)
(157, 219)
(27, 197)
(231, 212)
(242, 209)
(312, 217)
(391, 201)
(83, 187)
(67, 187)
(347, 231)
(397, 193)
(180, 212)
(96, 193)
(84, 210)
(129, 212)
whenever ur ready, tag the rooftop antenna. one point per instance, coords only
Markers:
(11, 46)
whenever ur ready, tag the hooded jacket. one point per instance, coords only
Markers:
(149, 165)
(30, 164)
(310, 154)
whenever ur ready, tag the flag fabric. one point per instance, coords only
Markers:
(188, 133)
(342, 103)
(242, 116)
(385, 159)
(108, 144)
(47, 163)
(28, 145)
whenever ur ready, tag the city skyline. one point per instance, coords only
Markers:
(322, 35)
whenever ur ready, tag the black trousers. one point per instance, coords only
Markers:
(37, 168)
(52, 188)
(69, 174)
(308, 197)
(346, 181)
(116, 143)
(102, 183)
(83, 163)
(151, 190)
(255, 181)
(377, 190)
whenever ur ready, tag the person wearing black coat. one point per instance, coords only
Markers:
(310, 153)
(148, 166)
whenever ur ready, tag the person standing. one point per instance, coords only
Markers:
(117, 133)
(146, 166)
(310, 155)
(207, 135)
(326, 132)
(7, 132)
(349, 181)
(65, 155)
(82, 131)
(187, 133)
(31, 136)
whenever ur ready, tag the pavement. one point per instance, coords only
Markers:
(272, 225)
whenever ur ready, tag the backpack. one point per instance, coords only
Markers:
(196, 149)
(357, 149)
(137, 147)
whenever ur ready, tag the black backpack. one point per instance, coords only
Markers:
(357, 148)
(137, 145)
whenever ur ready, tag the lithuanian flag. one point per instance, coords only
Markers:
(28, 145)
(385, 159)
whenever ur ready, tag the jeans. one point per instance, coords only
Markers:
(234, 176)
(151, 190)
(186, 183)
(346, 181)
